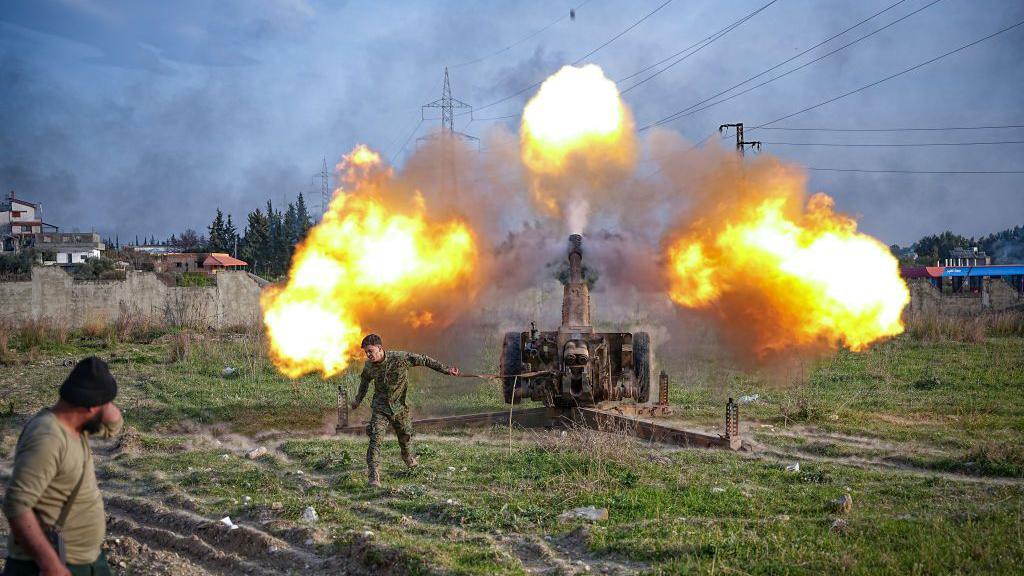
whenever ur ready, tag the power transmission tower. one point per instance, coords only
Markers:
(741, 144)
(324, 188)
(448, 134)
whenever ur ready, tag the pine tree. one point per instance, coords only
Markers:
(232, 237)
(257, 234)
(291, 228)
(218, 241)
(302, 214)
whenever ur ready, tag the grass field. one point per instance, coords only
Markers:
(924, 435)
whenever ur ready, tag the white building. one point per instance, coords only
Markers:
(68, 248)
(22, 226)
(20, 221)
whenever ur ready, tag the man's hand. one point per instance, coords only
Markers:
(453, 371)
(111, 413)
(26, 529)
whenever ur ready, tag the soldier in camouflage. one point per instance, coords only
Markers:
(389, 372)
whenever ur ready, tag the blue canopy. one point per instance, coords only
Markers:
(1007, 270)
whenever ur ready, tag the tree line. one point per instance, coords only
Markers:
(1005, 247)
(266, 243)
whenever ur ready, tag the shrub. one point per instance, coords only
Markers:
(936, 326)
(97, 269)
(43, 332)
(7, 356)
(194, 279)
(94, 327)
(1009, 323)
(940, 327)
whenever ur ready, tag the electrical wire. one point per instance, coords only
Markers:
(891, 76)
(533, 34)
(407, 139)
(621, 34)
(577, 61)
(915, 129)
(893, 145)
(693, 108)
(707, 41)
(671, 56)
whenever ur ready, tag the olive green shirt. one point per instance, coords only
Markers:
(390, 379)
(48, 462)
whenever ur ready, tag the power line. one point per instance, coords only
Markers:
(707, 41)
(915, 129)
(692, 109)
(620, 34)
(606, 43)
(695, 145)
(697, 43)
(407, 139)
(896, 145)
(915, 171)
(891, 76)
(533, 34)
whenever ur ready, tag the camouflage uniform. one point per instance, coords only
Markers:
(390, 379)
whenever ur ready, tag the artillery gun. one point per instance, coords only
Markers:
(575, 366)
(599, 379)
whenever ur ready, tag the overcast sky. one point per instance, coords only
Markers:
(143, 117)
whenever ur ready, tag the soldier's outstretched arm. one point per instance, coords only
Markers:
(364, 385)
(424, 360)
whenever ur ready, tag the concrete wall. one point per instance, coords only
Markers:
(926, 298)
(54, 295)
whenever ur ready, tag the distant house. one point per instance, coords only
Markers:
(179, 262)
(207, 262)
(20, 221)
(962, 257)
(67, 248)
(218, 261)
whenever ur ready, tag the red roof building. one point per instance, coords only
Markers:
(218, 261)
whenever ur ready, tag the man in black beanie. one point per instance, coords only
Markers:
(53, 503)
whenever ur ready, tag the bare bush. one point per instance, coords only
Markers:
(7, 356)
(1008, 323)
(180, 348)
(132, 324)
(937, 327)
(94, 327)
(42, 332)
(185, 308)
(606, 451)
(255, 350)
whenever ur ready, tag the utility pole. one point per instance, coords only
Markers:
(448, 134)
(741, 144)
(324, 188)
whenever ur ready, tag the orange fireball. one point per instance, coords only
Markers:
(365, 256)
(780, 274)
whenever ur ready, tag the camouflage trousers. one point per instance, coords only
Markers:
(378, 427)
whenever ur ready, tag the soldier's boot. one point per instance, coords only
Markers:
(410, 458)
(373, 480)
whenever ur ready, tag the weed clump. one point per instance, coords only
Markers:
(41, 333)
(7, 356)
(938, 327)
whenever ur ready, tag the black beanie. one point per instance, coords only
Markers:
(89, 384)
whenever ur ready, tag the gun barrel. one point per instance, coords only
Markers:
(576, 295)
